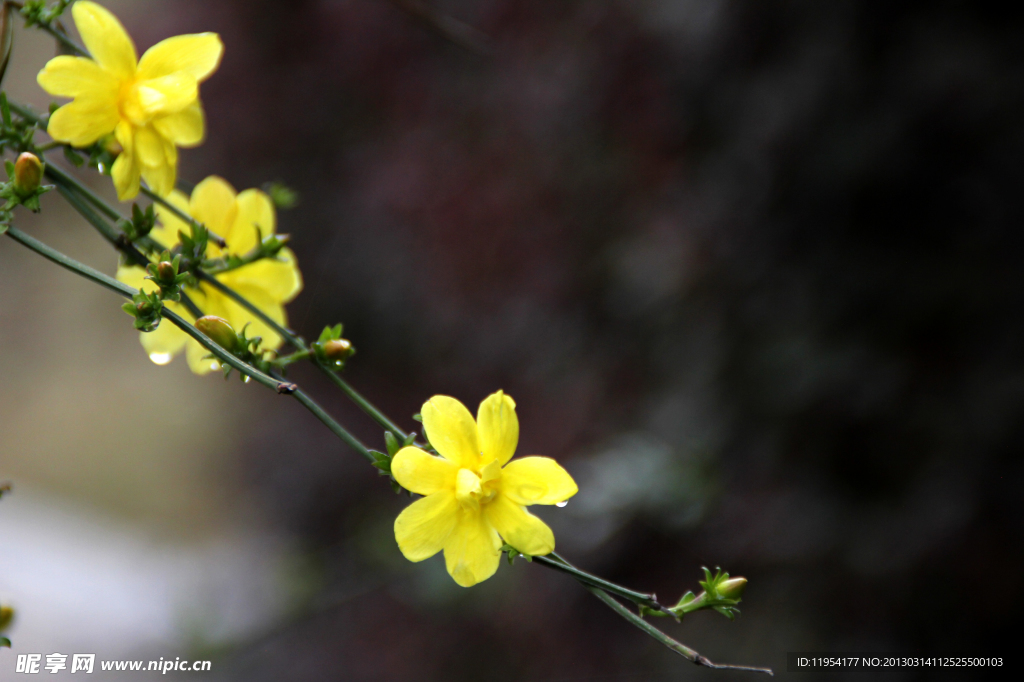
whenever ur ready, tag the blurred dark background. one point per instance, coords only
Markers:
(750, 268)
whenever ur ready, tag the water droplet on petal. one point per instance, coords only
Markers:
(562, 503)
(160, 358)
(214, 366)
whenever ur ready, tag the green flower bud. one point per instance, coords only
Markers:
(6, 616)
(338, 349)
(165, 272)
(732, 588)
(218, 329)
(28, 173)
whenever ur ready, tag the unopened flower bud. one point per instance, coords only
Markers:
(28, 173)
(165, 271)
(218, 329)
(732, 588)
(6, 616)
(338, 349)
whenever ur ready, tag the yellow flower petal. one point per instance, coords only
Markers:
(421, 473)
(537, 480)
(160, 178)
(423, 528)
(168, 224)
(499, 427)
(127, 176)
(519, 528)
(168, 94)
(451, 430)
(149, 148)
(125, 135)
(170, 151)
(255, 216)
(239, 317)
(185, 128)
(197, 54)
(196, 354)
(134, 276)
(105, 38)
(472, 551)
(280, 278)
(213, 204)
(167, 339)
(78, 77)
(82, 122)
(197, 357)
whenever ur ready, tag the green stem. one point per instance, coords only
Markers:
(117, 239)
(60, 177)
(285, 360)
(559, 564)
(290, 336)
(127, 291)
(70, 263)
(678, 647)
(334, 426)
(221, 354)
(363, 404)
(181, 215)
(29, 115)
(65, 40)
(285, 333)
(26, 113)
(297, 341)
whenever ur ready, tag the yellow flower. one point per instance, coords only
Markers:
(469, 499)
(152, 106)
(267, 283)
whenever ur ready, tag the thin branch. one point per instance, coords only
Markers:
(298, 342)
(181, 215)
(364, 404)
(678, 647)
(340, 432)
(591, 580)
(59, 176)
(118, 240)
(220, 353)
(31, 116)
(285, 333)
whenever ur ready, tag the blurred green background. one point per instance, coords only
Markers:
(750, 269)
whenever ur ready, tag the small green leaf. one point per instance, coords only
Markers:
(4, 642)
(392, 443)
(418, 417)
(410, 439)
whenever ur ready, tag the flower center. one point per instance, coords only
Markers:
(471, 491)
(130, 104)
